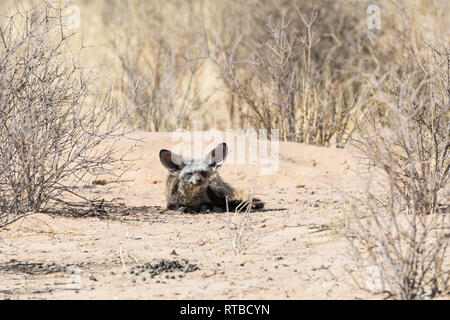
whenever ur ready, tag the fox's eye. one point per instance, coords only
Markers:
(204, 173)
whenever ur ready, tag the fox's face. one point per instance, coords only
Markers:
(196, 172)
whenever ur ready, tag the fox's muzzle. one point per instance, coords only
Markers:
(196, 181)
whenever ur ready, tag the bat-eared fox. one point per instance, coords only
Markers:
(195, 186)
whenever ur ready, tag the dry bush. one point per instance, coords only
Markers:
(280, 70)
(404, 239)
(52, 122)
(277, 72)
(400, 256)
(157, 63)
(287, 72)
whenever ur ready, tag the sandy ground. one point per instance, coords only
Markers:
(294, 250)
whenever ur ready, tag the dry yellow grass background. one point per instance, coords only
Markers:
(155, 45)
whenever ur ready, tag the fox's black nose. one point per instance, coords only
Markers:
(197, 179)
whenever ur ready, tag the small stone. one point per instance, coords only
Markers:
(92, 278)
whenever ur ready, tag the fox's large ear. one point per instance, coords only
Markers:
(171, 161)
(217, 156)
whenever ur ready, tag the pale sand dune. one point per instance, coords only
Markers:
(297, 252)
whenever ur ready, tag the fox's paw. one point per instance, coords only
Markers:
(185, 210)
(172, 206)
(189, 210)
(207, 208)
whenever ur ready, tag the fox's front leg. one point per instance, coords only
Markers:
(173, 203)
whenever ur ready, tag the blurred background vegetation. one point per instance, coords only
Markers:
(308, 68)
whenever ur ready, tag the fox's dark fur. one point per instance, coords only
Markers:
(196, 185)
